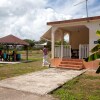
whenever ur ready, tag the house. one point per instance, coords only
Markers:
(82, 38)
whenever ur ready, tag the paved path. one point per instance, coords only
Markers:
(12, 94)
(41, 82)
(6, 62)
(12, 62)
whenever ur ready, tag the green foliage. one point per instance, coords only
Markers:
(96, 50)
(42, 41)
(94, 56)
(98, 32)
(1, 46)
(31, 43)
(98, 41)
(59, 43)
(49, 45)
(25, 47)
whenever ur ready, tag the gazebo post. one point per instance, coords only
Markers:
(7, 48)
(27, 53)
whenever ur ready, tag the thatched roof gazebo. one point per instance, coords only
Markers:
(13, 40)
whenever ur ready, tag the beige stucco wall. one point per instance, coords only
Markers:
(79, 37)
(93, 27)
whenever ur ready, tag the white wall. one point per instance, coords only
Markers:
(93, 27)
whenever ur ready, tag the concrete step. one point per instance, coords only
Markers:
(72, 62)
(74, 68)
(78, 60)
(71, 65)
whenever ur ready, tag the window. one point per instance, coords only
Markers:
(66, 38)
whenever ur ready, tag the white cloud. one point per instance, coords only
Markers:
(4, 3)
(28, 18)
(28, 22)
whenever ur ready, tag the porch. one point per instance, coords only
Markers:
(66, 57)
(76, 47)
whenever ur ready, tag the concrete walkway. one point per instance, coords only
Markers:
(8, 62)
(41, 82)
(12, 94)
(13, 62)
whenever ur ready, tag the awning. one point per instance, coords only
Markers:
(47, 35)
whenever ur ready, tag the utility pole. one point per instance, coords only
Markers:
(86, 7)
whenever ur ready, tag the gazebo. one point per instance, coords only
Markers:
(13, 40)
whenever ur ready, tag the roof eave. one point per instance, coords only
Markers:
(73, 20)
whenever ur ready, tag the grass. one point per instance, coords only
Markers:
(32, 55)
(84, 87)
(11, 70)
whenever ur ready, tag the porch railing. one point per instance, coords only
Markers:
(83, 51)
(63, 51)
(57, 52)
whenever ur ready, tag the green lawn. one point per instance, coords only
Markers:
(11, 70)
(84, 87)
(32, 55)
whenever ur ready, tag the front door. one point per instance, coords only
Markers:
(74, 53)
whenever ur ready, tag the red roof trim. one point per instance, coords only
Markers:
(73, 20)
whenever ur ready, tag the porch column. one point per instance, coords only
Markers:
(53, 41)
(62, 43)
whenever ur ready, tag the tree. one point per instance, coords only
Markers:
(1, 46)
(42, 41)
(49, 45)
(31, 43)
(59, 43)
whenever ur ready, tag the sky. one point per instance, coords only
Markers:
(27, 19)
